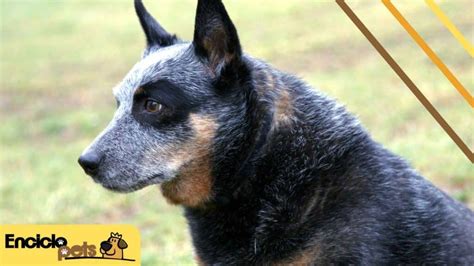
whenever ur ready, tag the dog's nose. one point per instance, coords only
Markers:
(90, 162)
(106, 246)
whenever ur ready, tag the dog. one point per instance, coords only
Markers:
(269, 170)
(113, 247)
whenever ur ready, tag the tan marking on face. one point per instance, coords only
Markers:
(283, 114)
(304, 258)
(139, 90)
(192, 186)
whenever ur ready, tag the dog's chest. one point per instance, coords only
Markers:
(233, 236)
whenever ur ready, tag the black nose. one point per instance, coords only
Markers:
(106, 246)
(90, 162)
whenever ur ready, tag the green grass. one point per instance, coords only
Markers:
(60, 59)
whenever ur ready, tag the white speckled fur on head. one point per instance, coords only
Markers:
(135, 155)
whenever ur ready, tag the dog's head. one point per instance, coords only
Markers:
(169, 105)
(113, 247)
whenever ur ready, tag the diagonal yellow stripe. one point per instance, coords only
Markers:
(418, 94)
(434, 58)
(451, 27)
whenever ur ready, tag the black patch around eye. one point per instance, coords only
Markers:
(176, 104)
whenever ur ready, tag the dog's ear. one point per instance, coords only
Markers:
(215, 37)
(156, 35)
(122, 244)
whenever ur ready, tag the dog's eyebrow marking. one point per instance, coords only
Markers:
(139, 91)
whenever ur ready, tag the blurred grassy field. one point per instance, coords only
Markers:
(60, 59)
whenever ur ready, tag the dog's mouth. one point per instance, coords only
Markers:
(107, 253)
(125, 185)
(110, 254)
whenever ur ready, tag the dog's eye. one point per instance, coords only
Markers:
(153, 106)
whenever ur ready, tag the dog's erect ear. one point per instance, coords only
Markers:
(122, 244)
(215, 37)
(156, 35)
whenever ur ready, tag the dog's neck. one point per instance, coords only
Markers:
(272, 120)
(236, 156)
(255, 175)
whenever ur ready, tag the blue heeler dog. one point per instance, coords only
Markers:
(268, 169)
